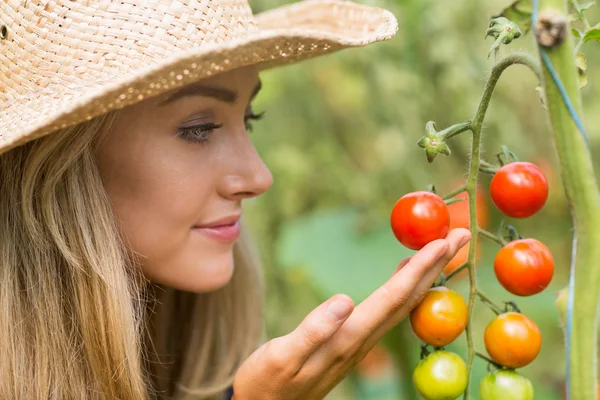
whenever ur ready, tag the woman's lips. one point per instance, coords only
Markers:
(225, 233)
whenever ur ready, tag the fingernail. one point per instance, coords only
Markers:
(465, 239)
(339, 309)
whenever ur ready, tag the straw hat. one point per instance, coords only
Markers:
(63, 62)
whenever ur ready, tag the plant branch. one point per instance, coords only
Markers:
(492, 237)
(484, 298)
(455, 192)
(489, 360)
(456, 271)
(474, 164)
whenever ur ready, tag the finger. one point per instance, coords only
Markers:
(401, 265)
(393, 298)
(456, 241)
(315, 330)
(385, 307)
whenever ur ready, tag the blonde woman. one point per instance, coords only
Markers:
(124, 165)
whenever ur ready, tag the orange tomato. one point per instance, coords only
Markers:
(440, 318)
(512, 340)
(524, 267)
(459, 211)
(459, 218)
(460, 258)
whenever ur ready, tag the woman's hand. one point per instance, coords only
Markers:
(310, 361)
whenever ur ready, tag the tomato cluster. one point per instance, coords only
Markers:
(523, 266)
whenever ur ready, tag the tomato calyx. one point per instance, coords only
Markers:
(506, 156)
(434, 142)
(511, 306)
(512, 234)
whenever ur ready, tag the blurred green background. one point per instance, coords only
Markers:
(340, 137)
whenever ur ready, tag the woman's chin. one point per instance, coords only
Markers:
(208, 276)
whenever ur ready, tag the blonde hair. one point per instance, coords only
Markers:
(77, 317)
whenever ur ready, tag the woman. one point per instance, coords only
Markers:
(124, 163)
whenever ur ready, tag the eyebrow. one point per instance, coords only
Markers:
(216, 92)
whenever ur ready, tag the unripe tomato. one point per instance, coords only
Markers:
(519, 189)
(512, 340)
(505, 385)
(419, 218)
(440, 318)
(524, 267)
(442, 375)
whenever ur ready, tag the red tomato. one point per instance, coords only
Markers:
(524, 267)
(512, 340)
(519, 189)
(419, 218)
(440, 318)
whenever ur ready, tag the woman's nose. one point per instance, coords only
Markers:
(249, 176)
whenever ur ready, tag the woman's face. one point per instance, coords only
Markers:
(176, 168)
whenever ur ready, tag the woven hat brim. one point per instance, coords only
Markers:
(340, 25)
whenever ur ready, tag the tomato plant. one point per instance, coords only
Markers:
(505, 385)
(519, 189)
(524, 267)
(442, 375)
(512, 340)
(440, 317)
(419, 218)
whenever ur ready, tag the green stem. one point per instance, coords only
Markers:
(488, 165)
(582, 192)
(578, 47)
(484, 298)
(487, 170)
(474, 164)
(456, 271)
(455, 192)
(456, 129)
(491, 236)
(489, 360)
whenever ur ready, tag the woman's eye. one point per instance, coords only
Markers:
(198, 133)
(252, 117)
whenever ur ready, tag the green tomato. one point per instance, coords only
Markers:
(442, 375)
(505, 385)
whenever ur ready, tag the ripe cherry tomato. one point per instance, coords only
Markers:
(524, 267)
(512, 340)
(505, 385)
(419, 218)
(440, 318)
(442, 375)
(519, 189)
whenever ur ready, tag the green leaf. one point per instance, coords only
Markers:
(577, 33)
(592, 34)
(338, 258)
(581, 63)
(587, 5)
(519, 12)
